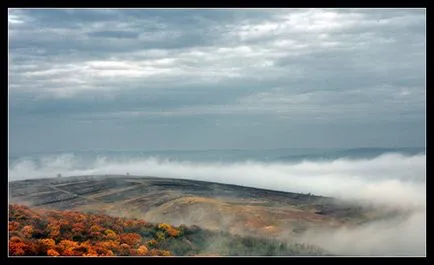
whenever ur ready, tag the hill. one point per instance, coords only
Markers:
(40, 232)
(236, 209)
(219, 215)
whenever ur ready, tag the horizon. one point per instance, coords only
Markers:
(398, 148)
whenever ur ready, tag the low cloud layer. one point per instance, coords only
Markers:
(403, 236)
(391, 179)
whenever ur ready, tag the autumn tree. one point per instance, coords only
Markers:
(16, 247)
(13, 226)
(71, 233)
(142, 250)
(27, 231)
(46, 244)
(124, 250)
(52, 252)
(131, 239)
(168, 229)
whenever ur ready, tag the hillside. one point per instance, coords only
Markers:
(231, 208)
(40, 232)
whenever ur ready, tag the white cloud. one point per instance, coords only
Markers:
(398, 237)
(393, 180)
(14, 19)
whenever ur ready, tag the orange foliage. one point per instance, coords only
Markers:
(157, 252)
(142, 250)
(163, 226)
(15, 239)
(13, 226)
(131, 239)
(165, 253)
(124, 249)
(152, 242)
(52, 252)
(91, 254)
(67, 246)
(154, 252)
(27, 230)
(109, 253)
(54, 230)
(96, 228)
(69, 233)
(48, 242)
(110, 244)
(111, 235)
(168, 229)
(71, 252)
(19, 247)
(16, 248)
(172, 232)
(78, 228)
(97, 235)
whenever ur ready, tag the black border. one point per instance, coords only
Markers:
(202, 260)
(5, 142)
(227, 4)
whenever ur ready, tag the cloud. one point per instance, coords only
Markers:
(223, 42)
(347, 65)
(113, 34)
(397, 237)
(390, 179)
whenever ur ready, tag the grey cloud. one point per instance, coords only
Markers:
(262, 66)
(114, 34)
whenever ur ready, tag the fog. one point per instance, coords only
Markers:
(392, 180)
(396, 237)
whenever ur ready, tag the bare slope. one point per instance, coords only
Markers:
(233, 208)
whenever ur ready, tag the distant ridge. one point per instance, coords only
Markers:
(354, 153)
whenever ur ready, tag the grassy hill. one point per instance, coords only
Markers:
(207, 218)
(42, 232)
(214, 206)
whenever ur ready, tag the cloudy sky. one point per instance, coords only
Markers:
(213, 78)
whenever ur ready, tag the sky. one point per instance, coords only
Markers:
(158, 79)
